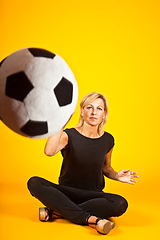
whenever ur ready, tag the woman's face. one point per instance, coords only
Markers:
(93, 113)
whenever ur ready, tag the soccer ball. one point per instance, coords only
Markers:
(38, 92)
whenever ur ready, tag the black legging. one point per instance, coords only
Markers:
(76, 205)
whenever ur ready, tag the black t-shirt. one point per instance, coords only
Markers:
(83, 159)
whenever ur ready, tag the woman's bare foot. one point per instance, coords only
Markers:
(92, 219)
(46, 214)
(52, 215)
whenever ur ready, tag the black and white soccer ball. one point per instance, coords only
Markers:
(38, 92)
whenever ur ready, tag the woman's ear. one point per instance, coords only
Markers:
(82, 112)
(104, 114)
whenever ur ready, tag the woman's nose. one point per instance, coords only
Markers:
(93, 111)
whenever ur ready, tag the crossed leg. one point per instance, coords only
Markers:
(76, 205)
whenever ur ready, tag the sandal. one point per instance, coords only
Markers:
(46, 217)
(103, 226)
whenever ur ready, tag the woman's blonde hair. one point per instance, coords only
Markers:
(88, 99)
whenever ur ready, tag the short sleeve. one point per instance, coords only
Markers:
(111, 142)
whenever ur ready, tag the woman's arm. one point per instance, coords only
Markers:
(125, 176)
(56, 143)
(108, 171)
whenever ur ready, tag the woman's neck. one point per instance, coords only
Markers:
(89, 131)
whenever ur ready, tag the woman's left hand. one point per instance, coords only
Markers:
(126, 176)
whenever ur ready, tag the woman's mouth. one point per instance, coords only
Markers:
(93, 118)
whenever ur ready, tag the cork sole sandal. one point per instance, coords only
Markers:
(45, 214)
(103, 226)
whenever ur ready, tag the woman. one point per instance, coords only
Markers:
(86, 151)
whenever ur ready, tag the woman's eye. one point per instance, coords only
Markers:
(89, 107)
(100, 109)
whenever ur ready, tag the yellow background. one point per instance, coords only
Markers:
(112, 47)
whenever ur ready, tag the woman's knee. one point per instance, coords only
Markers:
(121, 207)
(32, 184)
